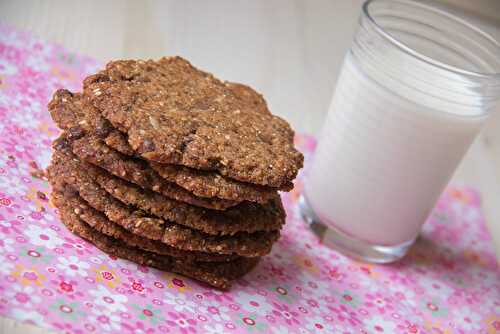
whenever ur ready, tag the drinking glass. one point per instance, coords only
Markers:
(415, 88)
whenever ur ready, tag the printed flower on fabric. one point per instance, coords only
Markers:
(9, 226)
(378, 301)
(436, 326)
(148, 313)
(467, 319)
(43, 236)
(28, 275)
(435, 287)
(138, 328)
(218, 313)
(493, 324)
(7, 201)
(179, 302)
(73, 266)
(251, 323)
(107, 276)
(37, 63)
(179, 284)
(6, 245)
(32, 212)
(17, 149)
(219, 296)
(285, 294)
(24, 115)
(6, 266)
(136, 286)
(349, 298)
(285, 314)
(105, 321)
(344, 314)
(36, 255)
(280, 329)
(316, 324)
(67, 310)
(377, 324)
(314, 287)
(216, 329)
(12, 185)
(306, 264)
(112, 262)
(29, 317)
(112, 302)
(7, 67)
(25, 296)
(434, 307)
(180, 322)
(79, 245)
(138, 270)
(253, 303)
(368, 282)
(67, 287)
(403, 294)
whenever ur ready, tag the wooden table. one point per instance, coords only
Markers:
(291, 51)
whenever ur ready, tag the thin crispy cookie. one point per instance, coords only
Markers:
(175, 113)
(68, 201)
(219, 276)
(245, 217)
(92, 150)
(71, 113)
(137, 222)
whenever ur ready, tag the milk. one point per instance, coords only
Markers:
(385, 154)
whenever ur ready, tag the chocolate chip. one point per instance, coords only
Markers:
(63, 93)
(60, 144)
(41, 195)
(39, 174)
(76, 132)
(147, 146)
(102, 128)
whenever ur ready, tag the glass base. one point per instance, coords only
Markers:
(348, 245)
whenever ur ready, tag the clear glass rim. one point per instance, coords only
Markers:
(431, 61)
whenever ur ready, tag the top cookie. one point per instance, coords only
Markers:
(175, 113)
(73, 113)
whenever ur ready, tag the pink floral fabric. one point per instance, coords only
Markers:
(449, 283)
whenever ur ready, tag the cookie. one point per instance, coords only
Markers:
(248, 96)
(70, 112)
(139, 223)
(242, 244)
(91, 149)
(219, 275)
(175, 113)
(117, 141)
(68, 202)
(245, 217)
(209, 184)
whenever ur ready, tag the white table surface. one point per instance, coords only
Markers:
(290, 51)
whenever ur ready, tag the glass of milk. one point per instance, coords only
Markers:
(414, 90)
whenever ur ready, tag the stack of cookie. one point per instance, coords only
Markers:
(165, 165)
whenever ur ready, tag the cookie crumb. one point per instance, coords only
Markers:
(39, 174)
(41, 195)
